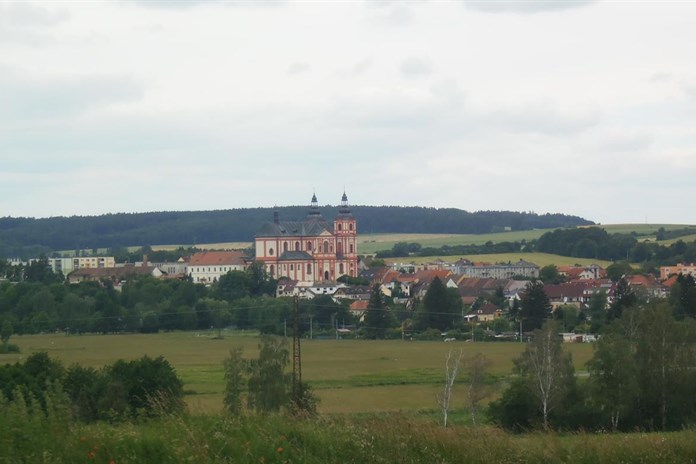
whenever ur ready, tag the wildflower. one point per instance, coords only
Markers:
(280, 449)
(90, 455)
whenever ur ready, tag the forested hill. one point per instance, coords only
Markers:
(18, 235)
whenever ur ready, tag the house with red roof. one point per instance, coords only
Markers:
(206, 267)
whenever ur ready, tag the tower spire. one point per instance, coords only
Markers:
(314, 208)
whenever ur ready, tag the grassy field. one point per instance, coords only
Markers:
(350, 376)
(372, 243)
(640, 229)
(540, 259)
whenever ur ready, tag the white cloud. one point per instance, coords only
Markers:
(416, 67)
(214, 105)
(297, 68)
(35, 98)
(525, 6)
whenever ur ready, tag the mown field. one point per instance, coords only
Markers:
(540, 259)
(349, 376)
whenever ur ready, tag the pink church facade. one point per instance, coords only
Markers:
(311, 250)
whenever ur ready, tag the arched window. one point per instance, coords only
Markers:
(272, 270)
(292, 267)
(326, 246)
(340, 226)
(340, 268)
(309, 246)
(270, 251)
(326, 275)
(350, 247)
(297, 246)
(339, 248)
(350, 226)
(285, 246)
(309, 268)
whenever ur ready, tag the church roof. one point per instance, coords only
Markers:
(292, 229)
(294, 256)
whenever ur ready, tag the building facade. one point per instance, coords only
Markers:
(207, 267)
(508, 270)
(311, 250)
(686, 269)
(68, 265)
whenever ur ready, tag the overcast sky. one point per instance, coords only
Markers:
(579, 107)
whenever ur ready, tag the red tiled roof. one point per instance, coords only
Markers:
(428, 275)
(217, 258)
(566, 290)
(359, 305)
(488, 308)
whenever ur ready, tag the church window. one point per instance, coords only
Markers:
(350, 226)
(309, 269)
(309, 246)
(350, 247)
(292, 267)
(285, 246)
(272, 270)
(297, 246)
(340, 268)
(326, 247)
(340, 226)
(270, 251)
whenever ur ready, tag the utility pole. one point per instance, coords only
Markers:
(296, 357)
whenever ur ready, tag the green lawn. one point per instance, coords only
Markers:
(348, 375)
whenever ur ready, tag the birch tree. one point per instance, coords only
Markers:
(547, 368)
(452, 363)
(477, 367)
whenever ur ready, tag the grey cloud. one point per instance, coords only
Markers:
(627, 142)
(184, 4)
(415, 67)
(356, 69)
(20, 14)
(28, 97)
(542, 117)
(661, 77)
(28, 24)
(297, 68)
(397, 109)
(525, 6)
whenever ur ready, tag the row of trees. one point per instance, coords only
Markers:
(597, 243)
(641, 376)
(122, 390)
(26, 237)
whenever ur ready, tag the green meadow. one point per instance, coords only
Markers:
(377, 405)
(349, 376)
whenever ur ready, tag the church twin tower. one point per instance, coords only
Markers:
(310, 250)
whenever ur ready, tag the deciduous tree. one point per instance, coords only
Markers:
(547, 368)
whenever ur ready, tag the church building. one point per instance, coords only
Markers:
(311, 250)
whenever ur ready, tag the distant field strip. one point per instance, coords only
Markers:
(372, 243)
(540, 259)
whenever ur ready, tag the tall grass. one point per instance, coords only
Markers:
(30, 433)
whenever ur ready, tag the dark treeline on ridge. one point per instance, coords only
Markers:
(27, 237)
